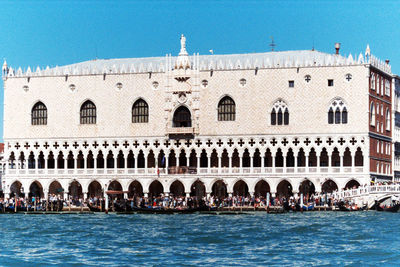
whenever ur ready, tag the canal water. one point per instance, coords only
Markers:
(318, 238)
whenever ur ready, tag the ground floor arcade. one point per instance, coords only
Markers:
(200, 187)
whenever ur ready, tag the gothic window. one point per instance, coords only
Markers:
(140, 111)
(279, 117)
(337, 116)
(88, 113)
(273, 117)
(337, 112)
(372, 114)
(226, 109)
(344, 115)
(387, 120)
(280, 113)
(39, 114)
(330, 116)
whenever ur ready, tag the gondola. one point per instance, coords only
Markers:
(343, 207)
(95, 208)
(393, 208)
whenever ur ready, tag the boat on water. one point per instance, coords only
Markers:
(162, 210)
(392, 208)
(308, 207)
(342, 206)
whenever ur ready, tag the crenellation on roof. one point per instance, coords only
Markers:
(284, 59)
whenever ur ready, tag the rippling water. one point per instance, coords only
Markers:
(317, 238)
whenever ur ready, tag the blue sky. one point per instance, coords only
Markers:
(41, 33)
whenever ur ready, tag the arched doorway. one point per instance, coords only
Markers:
(352, 184)
(156, 189)
(36, 190)
(135, 189)
(284, 189)
(75, 190)
(95, 190)
(182, 117)
(115, 189)
(261, 189)
(307, 188)
(198, 189)
(16, 189)
(240, 189)
(219, 189)
(56, 189)
(177, 189)
(329, 186)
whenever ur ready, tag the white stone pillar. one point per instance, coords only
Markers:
(106, 200)
(219, 164)
(251, 164)
(136, 162)
(208, 163)
(230, 163)
(262, 162)
(198, 163)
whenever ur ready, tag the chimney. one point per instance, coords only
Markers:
(387, 61)
(337, 47)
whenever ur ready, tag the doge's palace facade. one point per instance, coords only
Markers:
(281, 122)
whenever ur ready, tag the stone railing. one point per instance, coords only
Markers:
(367, 190)
(183, 170)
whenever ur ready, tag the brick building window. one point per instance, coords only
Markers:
(372, 114)
(373, 81)
(387, 87)
(387, 120)
(39, 114)
(330, 82)
(140, 111)
(226, 109)
(88, 113)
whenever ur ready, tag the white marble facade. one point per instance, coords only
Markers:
(234, 150)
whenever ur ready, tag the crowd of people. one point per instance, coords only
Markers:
(118, 203)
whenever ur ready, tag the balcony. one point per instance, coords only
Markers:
(184, 170)
(182, 132)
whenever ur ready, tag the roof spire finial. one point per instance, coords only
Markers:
(272, 44)
(367, 51)
(183, 45)
(183, 62)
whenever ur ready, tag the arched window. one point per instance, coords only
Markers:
(88, 113)
(337, 116)
(387, 120)
(182, 117)
(372, 114)
(282, 116)
(39, 114)
(330, 116)
(279, 117)
(344, 115)
(273, 117)
(337, 112)
(286, 117)
(140, 111)
(226, 109)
